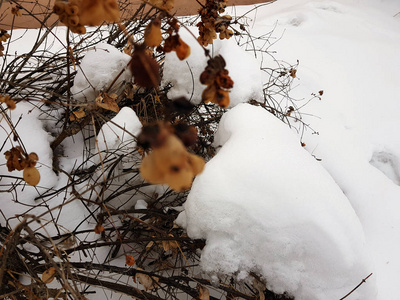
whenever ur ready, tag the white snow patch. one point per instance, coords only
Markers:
(263, 203)
(98, 69)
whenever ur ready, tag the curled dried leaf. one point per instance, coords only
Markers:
(77, 115)
(107, 101)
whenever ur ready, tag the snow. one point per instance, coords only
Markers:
(122, 129)
(301, 233)
(243, 68)
(98, 69)
(312, 228)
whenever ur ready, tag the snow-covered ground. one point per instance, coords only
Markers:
(313, 228)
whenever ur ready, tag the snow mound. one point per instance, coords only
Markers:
(98, 69)
(121, 129)
(264, 204)
(243, 67)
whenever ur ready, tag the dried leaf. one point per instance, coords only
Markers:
(129, 260)
(16, 11)
(148, 282)
(152, 33)
(48, 275)
(292, 73)
(99, 228)
(149, 245)
(204, 293)
(77, 115)
(260, 287)
(145, 70)
(107, 101)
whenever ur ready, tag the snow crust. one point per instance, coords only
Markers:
(263, 203)
(98, 69)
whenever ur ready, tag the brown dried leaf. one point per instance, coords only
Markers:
(48, 275)
(152, 33)
(107, 101)
(148, 282)
(129, 260)
(99, 228)
(204, 293)
(77, 115)
(16, 11)
(145, 70)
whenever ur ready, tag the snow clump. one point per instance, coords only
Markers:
(300, 233)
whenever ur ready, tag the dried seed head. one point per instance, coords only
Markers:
(152, 34)
(182, 50)
(31, 176)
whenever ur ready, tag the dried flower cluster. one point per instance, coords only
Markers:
(212, 23)
(8, 101)
(218, 82)
(16, 11)
(4, 36)
(18, 160)
(78, 13)
(170, 162)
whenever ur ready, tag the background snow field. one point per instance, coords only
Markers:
(314, 220)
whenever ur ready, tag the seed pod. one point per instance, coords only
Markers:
(80, 29)
(64, 18)
(31, 176)
(59, 7)
(73, 21)
(152, 33)
(71, 10)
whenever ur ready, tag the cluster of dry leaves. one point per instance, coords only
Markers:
(77, 13)
(18, 159)
(212, 23)
(4, 36)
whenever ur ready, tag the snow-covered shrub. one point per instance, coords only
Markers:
(85, 110)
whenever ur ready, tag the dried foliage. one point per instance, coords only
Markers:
(161, 261)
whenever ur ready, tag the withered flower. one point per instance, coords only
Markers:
(218, 82)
